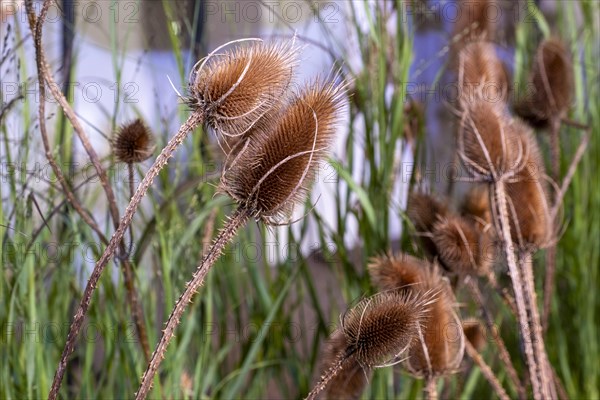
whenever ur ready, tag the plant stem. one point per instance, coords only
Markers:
(486, 371)
(430, 388)
(523, 319)
(335, 369)
(236, 221)
(194, 120)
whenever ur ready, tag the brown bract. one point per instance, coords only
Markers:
(379, 329)
(133, 143)
(551, 91)
(272, 171)
(482, 76)
(234, 89)
(352, 379)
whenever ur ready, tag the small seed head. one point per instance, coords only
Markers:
(133, 143)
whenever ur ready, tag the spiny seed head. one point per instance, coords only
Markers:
(234, 89)
(399, 272)
(488, 142)
(381, 327)
(273, 171)
(424, 210)
(476, 206)
(474, 332)
(473, 22)
(552, 84)
(133, 142)
(457, 243)
(438, 349)
(483, 75)
(352, 379)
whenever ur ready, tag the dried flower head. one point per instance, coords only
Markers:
(133, 143)
(487, 143)
(380, 328)
(474, 22)
(474, 332)
(424, 210)
(457, 243)
(482, 76)
(552, 84)
(352, 379)
(272, 172)
(476, 206)
(234, 89)
(399, 272)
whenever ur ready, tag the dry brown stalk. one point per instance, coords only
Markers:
(486, 371)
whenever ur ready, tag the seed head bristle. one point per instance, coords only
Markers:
(474, 332)
(424, 210)
(273, 171)
(552, 84)
(487, 143)
(457, 243)
(482, 75)
(380, 328)
(234, 89)
(133, 142)
(352, 380)
(397, 272)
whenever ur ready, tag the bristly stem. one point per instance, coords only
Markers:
(336, 367)
(236, 221)
(193, 121)
(431, 388)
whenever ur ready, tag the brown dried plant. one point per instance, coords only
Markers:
(266, 178)
(378, 331)
(475, 21)
(133, 142)
(424, 210)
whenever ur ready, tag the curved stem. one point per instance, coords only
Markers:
(335, 369)
(194, 120)
(236, 221)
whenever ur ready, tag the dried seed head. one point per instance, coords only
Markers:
(476, 206)
(457, 243)
(474, 22)
(381, 327)
(483, 77)
(474, 332)
(399, 272)
(133, 143)
(438, 348)
(234, 89)
(552, 84)
(424, 210)
(527, 198)
(352, 379)
(487, 143)
(273, 170)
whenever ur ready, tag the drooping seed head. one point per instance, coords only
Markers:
(273, 171)
(483, 77)
(133, 142)
(424, 210)
(457, 243)
(351, 381)
(380, 328)
(551, 82)
(235, 88)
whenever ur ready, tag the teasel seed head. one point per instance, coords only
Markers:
(528, 204)
(133, 142)
(552, 84)
(474, 332)
(473, 23)
(352, 379)
(396, 272)
(457, 243)
(476, 206)
(424, 210)
(380, 328)
(273, 170)
(482, 76)
(488, 145)
(235, 88)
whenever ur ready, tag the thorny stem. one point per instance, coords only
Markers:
(194, 120)
(336, 367)
(236, 221)
(486, 371)
(540, 386)
(431, 388)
